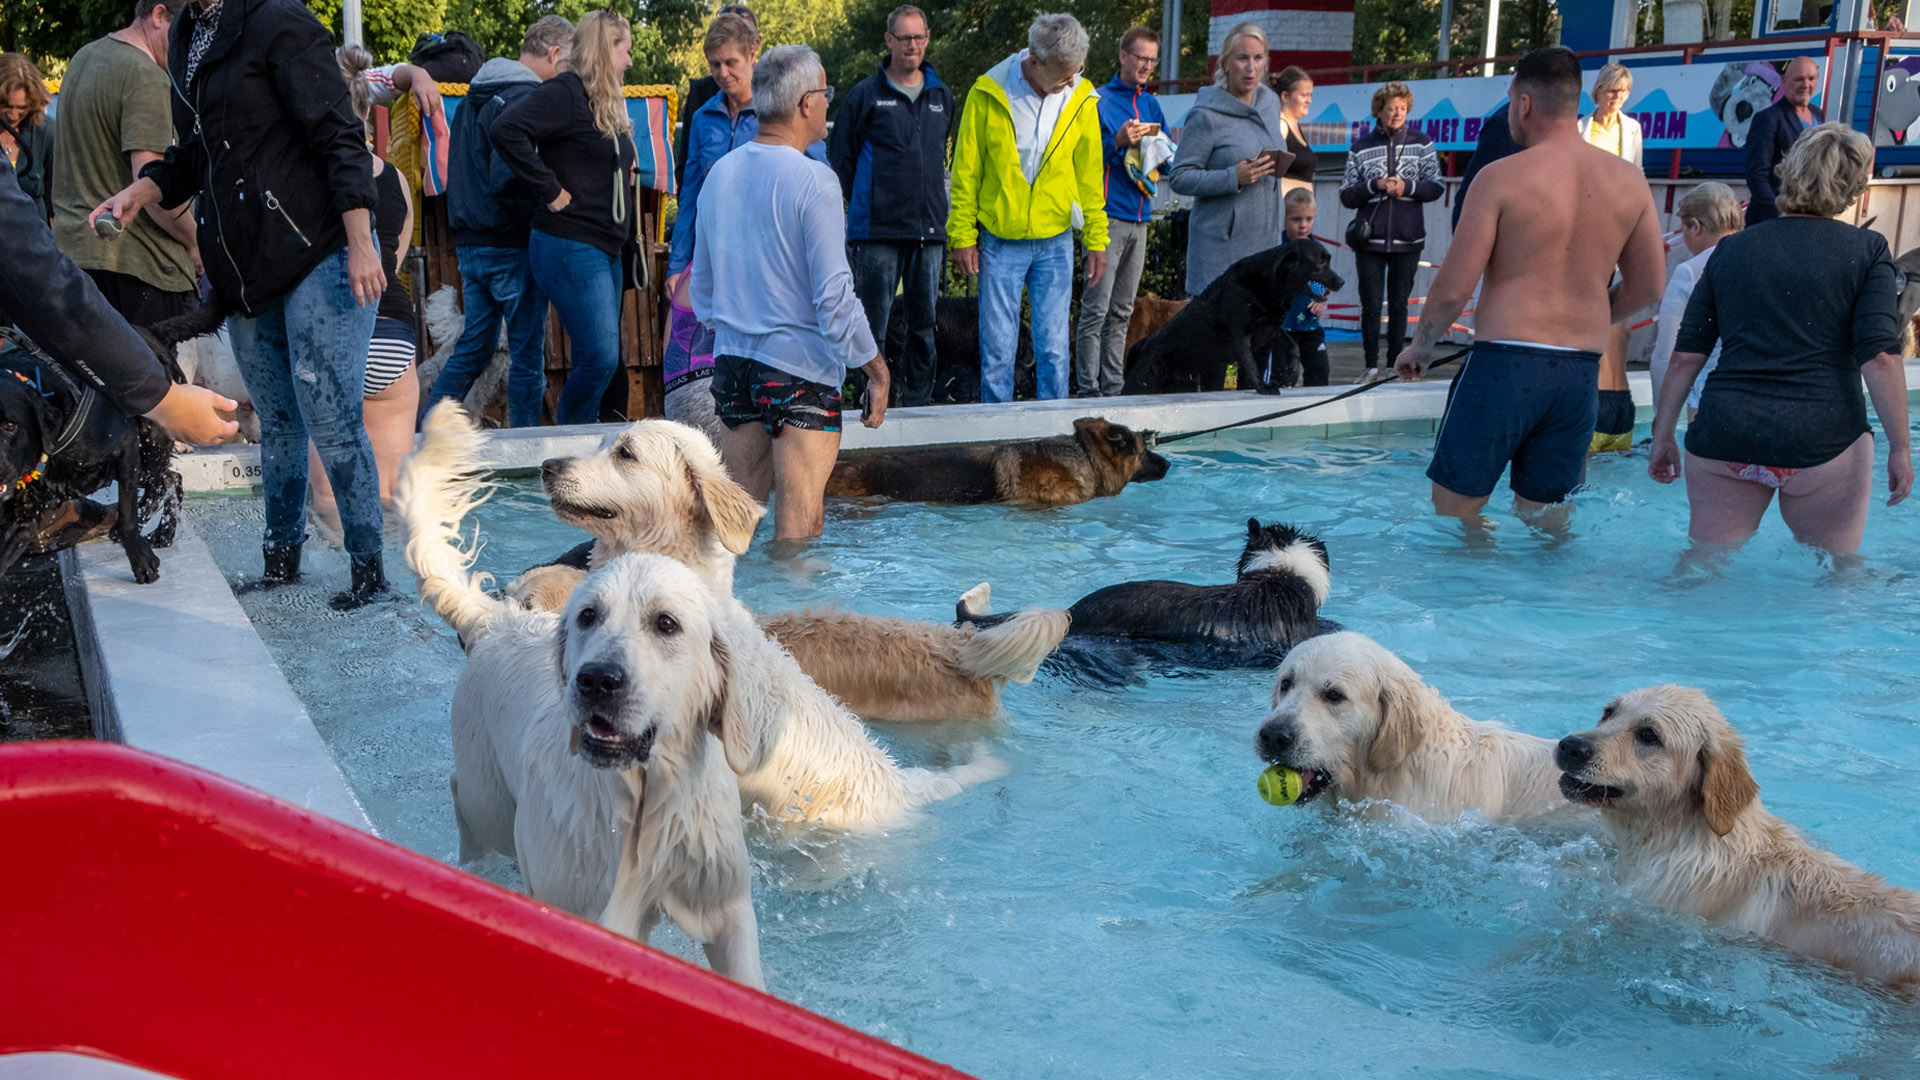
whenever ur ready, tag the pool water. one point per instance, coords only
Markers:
(1122, 904)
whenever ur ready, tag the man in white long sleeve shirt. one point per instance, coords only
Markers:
(770, 276)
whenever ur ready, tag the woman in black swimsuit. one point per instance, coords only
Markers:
(1296, 98)
(1803, 307)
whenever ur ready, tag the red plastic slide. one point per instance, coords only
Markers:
(164, 917)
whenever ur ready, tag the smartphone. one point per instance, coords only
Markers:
(1150, 129)
(1281, 159)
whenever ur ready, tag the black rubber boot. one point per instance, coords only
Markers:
(282, 564)
(369, 584)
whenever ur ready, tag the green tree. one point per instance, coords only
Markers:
(659, 28)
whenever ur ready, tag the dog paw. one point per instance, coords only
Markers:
(145, 564)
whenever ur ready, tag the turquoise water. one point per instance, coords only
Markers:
(1123, 905)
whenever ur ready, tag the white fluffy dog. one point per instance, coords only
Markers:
(1669, 776)
(1355, 720)
(660, 486)
(599, 746)
(811, 760)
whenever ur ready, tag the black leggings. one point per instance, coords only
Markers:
(1397, 272)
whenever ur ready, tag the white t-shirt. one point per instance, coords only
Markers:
(1034, 116)
(1673, 307)
(770, 272)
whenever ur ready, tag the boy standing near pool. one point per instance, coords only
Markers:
(1545, 227)
(1302, 324)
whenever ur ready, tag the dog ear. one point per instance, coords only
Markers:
(724, 720)
(1726, 785)
(560, 655)
(1253, 528)
(730, 510)
(1088, 427)
(1404, 703)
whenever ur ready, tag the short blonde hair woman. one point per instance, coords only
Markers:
(1222, 165)
(568, 140)
(1391, 171)
(1803, 308)
(1607, 127)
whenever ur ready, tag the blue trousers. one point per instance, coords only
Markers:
(1044, 268)
(495, 284)
(304, 360)
(879, 268)
(584, 284)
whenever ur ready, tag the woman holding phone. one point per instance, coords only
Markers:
(1231, 153)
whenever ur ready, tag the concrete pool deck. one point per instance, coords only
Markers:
(176, 667)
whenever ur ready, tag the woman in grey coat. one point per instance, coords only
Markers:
(1238, 204)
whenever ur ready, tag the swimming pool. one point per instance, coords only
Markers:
(1122, 904)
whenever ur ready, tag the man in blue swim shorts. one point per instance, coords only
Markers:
(1545, 228)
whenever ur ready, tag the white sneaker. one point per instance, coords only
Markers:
(1366, 376)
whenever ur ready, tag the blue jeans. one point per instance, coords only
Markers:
(584, 284)
(495, 284)
(880, 267)
(1045, 269)
(303, 360)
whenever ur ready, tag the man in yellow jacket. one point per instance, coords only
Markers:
(1026, 164)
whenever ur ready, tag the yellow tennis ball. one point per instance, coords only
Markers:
(1281, 786)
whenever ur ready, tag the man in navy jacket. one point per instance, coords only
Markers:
(1774, 131)
(1127, 112)
(491, 212)
(890, 151)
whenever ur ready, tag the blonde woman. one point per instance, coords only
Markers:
(570, 142)
(1607, 127)
(1237, 208)
(24, 135)
(1618, 134)
(1803, 307)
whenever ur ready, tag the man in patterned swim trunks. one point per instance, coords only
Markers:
(1546, 226)
(770, 276)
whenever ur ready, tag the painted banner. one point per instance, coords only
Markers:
(1679, 106)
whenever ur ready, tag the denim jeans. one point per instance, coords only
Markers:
(584, 284)
(303, 360)
(496, 284)
(1106, 307)
(879, 268)
(1045, 269)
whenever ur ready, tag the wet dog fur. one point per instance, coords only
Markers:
(1669, 776)
(1098, 459)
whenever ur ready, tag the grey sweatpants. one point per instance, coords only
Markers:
(1106, 306)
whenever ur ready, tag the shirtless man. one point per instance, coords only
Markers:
(1546, 227)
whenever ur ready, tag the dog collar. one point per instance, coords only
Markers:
(39, 471)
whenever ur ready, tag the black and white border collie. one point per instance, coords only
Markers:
(1273, 604)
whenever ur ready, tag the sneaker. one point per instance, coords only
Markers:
(1366, 376)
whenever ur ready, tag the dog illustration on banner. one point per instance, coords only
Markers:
(1740, 91)
(1898, 110)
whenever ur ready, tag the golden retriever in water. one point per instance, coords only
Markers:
(814, 761)
(660, 486)
(1667, 772)
(600, 747)
(1355, 720)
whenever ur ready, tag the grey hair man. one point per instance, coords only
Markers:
(1027, 158)
(770, 276)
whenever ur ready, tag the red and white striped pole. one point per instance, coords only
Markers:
(1315, 34)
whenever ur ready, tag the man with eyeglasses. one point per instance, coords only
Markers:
(1026, 163)
(1128, 114)
(890, 151)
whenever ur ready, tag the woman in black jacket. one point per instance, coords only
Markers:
(1392, 172)
(571, 143)
(278, 160)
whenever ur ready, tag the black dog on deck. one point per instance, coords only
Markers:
(61, 441)
(1235, 319)
(956, 346)
(1272, 605)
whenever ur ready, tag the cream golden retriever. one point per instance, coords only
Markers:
(811, 761)
(1668, 774)
(599, 746)
(1355, 720)
(660, 486)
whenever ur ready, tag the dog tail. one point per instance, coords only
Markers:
(199, 322)
(439, 486)
(931, 785)
(1013, 650)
